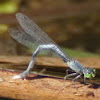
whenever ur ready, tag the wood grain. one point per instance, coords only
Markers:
(37, 87)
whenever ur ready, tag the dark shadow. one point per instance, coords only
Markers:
(36, 77)
(95, 86)
(92, 85)
(2, 98)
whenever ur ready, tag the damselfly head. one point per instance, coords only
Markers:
(89, 73)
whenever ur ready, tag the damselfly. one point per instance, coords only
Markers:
(32, 33)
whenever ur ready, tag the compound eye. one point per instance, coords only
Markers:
(88, 75)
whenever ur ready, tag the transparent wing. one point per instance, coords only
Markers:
(28, 41)
(33, 30)
(33, 35)
(23, 38)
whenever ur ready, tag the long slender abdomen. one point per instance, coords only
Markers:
(76, 66)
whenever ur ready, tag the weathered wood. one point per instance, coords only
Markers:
(45, 88)
(50, 61)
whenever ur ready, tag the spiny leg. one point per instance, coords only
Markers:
(69, 75)
(76, 79)
(39, 48)
(84, 80)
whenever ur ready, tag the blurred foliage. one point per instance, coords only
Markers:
(37, 4)
(77, 32)
(8, 6)
(80, 32)
(3, 28)
(76, 53)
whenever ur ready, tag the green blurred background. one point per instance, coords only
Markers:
(73, 24)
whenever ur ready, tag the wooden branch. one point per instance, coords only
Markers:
(50, 61)
(45, 88)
